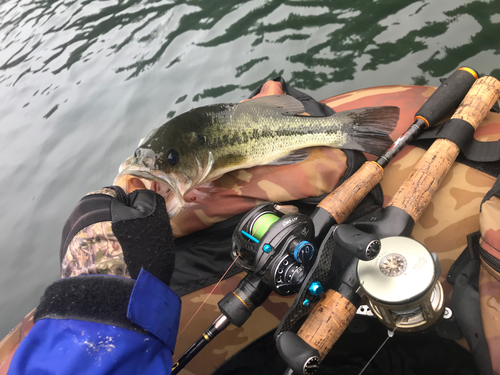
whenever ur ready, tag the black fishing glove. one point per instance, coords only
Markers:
(110, 232)
(142, 226)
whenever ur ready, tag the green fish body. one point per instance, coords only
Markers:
(205, 143)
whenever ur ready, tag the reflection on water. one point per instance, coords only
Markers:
(337, 38)
(82, 81)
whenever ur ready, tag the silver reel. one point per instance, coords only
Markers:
(402, 285)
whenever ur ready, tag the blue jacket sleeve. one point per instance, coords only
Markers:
(98, 324)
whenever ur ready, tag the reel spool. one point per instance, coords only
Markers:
(275, 247)
(262, 223)
(402, 285)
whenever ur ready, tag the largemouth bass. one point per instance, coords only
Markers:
(203, 144)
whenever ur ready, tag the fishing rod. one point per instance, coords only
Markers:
(236, 307)
(337, 206)
(279, 248)
(304, 351)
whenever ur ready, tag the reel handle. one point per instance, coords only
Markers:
(416, 192)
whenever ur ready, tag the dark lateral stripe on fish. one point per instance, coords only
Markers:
(243, 137)
(365, 125)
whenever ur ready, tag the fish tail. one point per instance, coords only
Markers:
(371, 128)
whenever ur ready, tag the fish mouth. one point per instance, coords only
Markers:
(165, 185)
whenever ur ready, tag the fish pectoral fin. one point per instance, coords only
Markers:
(292, 158)
(285, 104)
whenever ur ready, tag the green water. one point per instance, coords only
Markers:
(82, 82)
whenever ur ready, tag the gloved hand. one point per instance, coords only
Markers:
(112, 311)
(110, 232)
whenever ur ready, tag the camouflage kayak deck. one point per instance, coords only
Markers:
(452, 214)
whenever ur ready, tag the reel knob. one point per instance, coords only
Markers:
(372, 249)
(303, 251)
(315, 288)
(364, 246)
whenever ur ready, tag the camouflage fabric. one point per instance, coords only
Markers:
(490, 230)
(95, 250)
(241, 190)
(489, 278)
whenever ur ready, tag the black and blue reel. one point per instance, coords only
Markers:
(275, 246)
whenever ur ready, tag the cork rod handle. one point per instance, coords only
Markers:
(327, 322)
(416, 193)
(343, 200)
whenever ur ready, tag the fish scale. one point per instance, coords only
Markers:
(267, 146)
(281, 137)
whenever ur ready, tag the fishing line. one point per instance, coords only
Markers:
(262, 224)
(211, 292)
(389, 335)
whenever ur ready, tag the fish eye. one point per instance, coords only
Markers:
(173, 157)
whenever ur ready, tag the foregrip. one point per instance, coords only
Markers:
(448, 96)
(417, 191)
(239, 304)
(342, 201)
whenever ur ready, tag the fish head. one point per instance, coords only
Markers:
(172, 160)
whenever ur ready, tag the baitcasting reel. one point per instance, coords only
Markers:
(402, 285)
(274, 246)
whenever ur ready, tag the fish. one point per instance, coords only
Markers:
(204, 143)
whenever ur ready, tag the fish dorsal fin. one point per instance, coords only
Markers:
(292, 158)
(285, 104)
